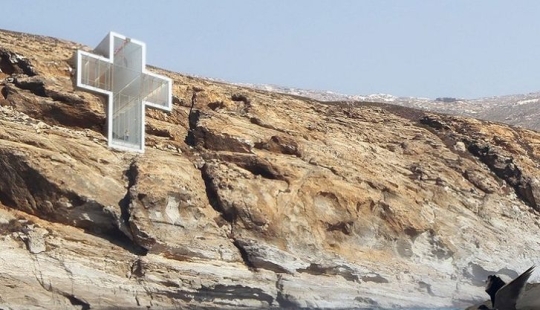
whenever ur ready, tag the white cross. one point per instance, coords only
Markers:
(119, 71)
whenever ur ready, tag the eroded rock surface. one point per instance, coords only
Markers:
(247, 198)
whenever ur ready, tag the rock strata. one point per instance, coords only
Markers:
(251, 199)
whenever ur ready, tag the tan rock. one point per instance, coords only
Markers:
(169, 212)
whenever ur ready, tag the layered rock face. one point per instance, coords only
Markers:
(251, 199)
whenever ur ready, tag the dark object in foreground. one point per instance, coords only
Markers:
(504, 296)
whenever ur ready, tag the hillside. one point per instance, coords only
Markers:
(249, 198)
(518, 110)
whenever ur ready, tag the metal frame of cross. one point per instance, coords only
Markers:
(117, 68)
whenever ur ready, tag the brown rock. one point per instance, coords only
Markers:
(166, 199)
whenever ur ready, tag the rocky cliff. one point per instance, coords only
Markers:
(251, 199)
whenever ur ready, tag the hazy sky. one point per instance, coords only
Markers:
(430, 48)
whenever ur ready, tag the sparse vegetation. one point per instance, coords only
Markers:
(14, 225)
(446, 99)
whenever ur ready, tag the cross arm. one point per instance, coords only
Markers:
(94, 72)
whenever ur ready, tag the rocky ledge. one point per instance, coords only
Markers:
(251, 199)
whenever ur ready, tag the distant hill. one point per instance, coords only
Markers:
(519, 110)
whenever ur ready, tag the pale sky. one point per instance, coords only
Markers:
(429, 48)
